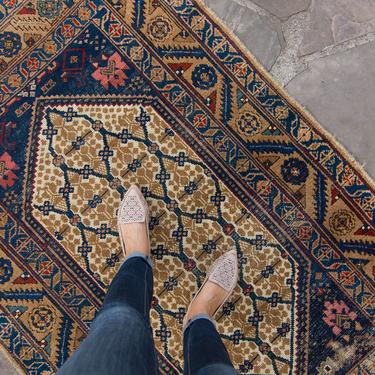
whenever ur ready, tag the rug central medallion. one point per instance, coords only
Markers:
(89, 153)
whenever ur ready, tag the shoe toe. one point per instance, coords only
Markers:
(132, 208)
(225, 271)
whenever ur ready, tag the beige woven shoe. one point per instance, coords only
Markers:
(223, 272)
(133, 209)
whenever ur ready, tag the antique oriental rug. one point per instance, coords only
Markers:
(99, 94)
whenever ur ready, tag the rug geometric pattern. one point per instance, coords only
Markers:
(97, 95)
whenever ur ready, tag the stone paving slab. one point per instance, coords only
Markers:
(260, 34)
(7, 367)
(283, 8)
(339, 90)
(336, 21)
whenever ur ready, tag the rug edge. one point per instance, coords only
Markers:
(360, 168)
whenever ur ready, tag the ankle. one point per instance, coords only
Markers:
(135, 238)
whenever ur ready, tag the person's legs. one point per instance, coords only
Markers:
(204, 352)
(120, 340)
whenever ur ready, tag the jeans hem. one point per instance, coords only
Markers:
(138, 254)
(196, 317)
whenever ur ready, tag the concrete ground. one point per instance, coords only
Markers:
(323, 53)
(7, 367)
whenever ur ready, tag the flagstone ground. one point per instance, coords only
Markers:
(325, 46)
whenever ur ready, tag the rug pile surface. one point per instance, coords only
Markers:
(97, 95)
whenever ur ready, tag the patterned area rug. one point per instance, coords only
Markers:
(99, 94)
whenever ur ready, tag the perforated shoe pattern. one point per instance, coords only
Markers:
(131, 210)
(224, 272)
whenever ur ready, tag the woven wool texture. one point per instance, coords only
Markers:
(98, 95)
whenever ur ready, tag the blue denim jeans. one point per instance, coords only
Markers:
(120, 341)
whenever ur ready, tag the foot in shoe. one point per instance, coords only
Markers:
(135, 237)
(207, 301)
(132, 221)
(220, 282)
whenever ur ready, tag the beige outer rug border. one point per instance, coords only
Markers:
(293, 102)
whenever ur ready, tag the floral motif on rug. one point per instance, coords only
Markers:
(97, 95)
